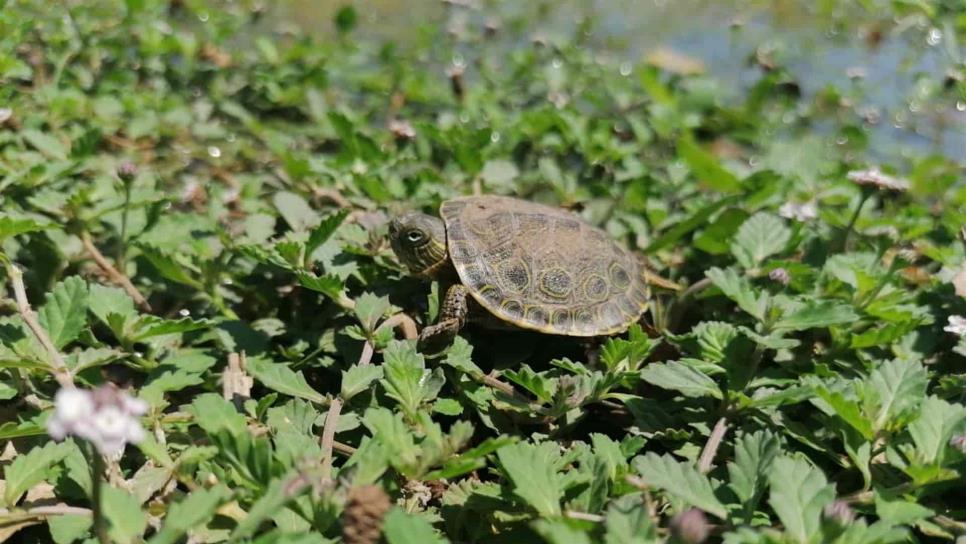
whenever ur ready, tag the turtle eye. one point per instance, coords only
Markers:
(414, 236)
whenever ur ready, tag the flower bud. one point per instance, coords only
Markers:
(127, 171)
(689, 527)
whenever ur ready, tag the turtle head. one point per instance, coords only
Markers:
(419, 241)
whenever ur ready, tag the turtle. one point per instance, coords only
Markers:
(504, 262)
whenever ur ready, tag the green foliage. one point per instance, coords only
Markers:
(195, 207)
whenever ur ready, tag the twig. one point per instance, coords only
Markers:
(402, 323)
(328, 437)
(45, 511)
(711, 447)
(585, 516)
(114, 274)
(61, 373)
(332, 419)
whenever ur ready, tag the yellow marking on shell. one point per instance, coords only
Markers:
(595, 293)
(559, 276)
(491, 294)
(516, 275)
(530, 313)
(619, 275)
(512, 307)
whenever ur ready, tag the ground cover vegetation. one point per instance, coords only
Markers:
(193, 207)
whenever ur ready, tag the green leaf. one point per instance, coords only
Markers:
(899, 386)
(459, 356)
(295, 210)
(677, 376)
(369, 309)
(532, 477)
(325, 229)
(215, 414)
(31, 468)
(628, 522)
(69, 528)
(799, 493)
(754, 455)
(283, 379)
(706, 167)
(937, 422)
(149, 326)
(400, 527)
(738, 289)
(105, 301)
(406, 378)
(817, 313)
(558, 531)
(194, 510)
(358, 379)
(126, 522)
(680, 480)
(10, 226)
(542, 387)
(330, 286)
(170, 267)
(900, 511)
(696, 220)
(759, 237)
(50, 146)
(64, 314)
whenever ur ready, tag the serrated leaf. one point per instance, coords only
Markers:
(937, 422)
(283, 379)
(753, 457)
(64, 314)
(738, 289)
(677, 376)
(706, 167)
(680, 480)
(195, 509)
(817, 313)
(330, 286)
(29, 469)
(149, 326)
(170, 267)
(10, 226)
(759, 237)
(45, 143)
(799, 493)
(541, 387)
(215, 414)
(459, 356)
(558, 531)
(295, 210)
(358, 379)
(532, 477)
(105, 301)
(900, 387)
(403, 528)
(694, 221)
(125, 520)
(369, 309)
(406, 378)
(324, 230)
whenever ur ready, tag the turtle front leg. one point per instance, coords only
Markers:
(452, 317)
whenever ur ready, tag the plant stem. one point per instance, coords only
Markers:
(113, 273)
(121, 256)
(712, 445)
(97, 469)
(855, 217)
(61, 373)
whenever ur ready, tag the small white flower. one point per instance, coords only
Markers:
(106, 417)
(873, 177)
(957, 325)
(806, 211)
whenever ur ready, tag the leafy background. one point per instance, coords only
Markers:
(238, 280)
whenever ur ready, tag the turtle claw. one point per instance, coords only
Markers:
(438, 337)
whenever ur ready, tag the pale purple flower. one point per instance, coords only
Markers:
(839, 512)
(5, 115)
(873, 177)
(107, 417)
(780, 275)
(690, 527)
(958, 442)
(805, 211)
(957, 325)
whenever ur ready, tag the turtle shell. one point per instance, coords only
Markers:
(542, 268)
